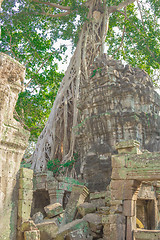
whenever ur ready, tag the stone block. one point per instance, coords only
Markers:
(98, 202)
(129, 146)
(24, 209)
(49, 176)
(79, 234)
(26, 173)
(129, 208)
(143, 234)
(118, 173)
(53, 210)
(38, 217)
(96, 195)
(118, 161)
(60, 195)
(28, 225)
(48, 230)
(86, 208)
(77, 197)
(116, 184)
(65, 186)
(76, 225)
(26, 183)
(95, 222)
(39, 185)
(52, 185)
(25, 194)
(53, 198)
(117, 194)
(32, 235)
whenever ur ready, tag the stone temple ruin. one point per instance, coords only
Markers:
(117, 193)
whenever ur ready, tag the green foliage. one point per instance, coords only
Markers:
(25, 165)
(140, 45)
(29, 34)
(57, 167)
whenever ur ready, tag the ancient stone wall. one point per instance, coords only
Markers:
(13, 141)
(117, 103)
(133, 202)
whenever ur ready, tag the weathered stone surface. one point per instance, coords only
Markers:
(38, 217)
(24, 209)
(53, 209)
(79, 234)
(86, 208)
(26, 183)
(26, 173)
(143, 234)
(98, 202)
(13, 141)
(32, 235)
(80, 226)
(95, 222)
(77, 197)
(117, 103)
(48, 230)
(98, 195)
(26, 194)
(130, 146)
(28, 226)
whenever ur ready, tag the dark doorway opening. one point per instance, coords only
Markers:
(40, 200)
(145, 212)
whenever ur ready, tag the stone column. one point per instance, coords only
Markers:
(13, 142)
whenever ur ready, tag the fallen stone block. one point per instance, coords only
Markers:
(97, 195)
(78, 234)
(86, 208)
(48, 229)
(79, 227)
(53, 210)
(77, 197)
(28, 226)
(38, 217)
(32, 235)
(95, 222)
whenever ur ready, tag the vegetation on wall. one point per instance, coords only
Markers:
(32, 27)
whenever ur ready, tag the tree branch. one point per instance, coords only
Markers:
(53, 5)
(15, 114)
(124, 29)
(141, 14)
(56, 15)
(114, 8)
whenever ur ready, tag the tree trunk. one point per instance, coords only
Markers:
(57, 139)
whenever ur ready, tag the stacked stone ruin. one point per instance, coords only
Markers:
(117, 193)
(117, 103)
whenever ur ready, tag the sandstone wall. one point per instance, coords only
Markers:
(13, 141)
(117, 103)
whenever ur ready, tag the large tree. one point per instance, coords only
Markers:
(130, 31)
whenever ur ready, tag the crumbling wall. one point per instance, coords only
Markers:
(13, 141)
(117, 103)
(134, 188)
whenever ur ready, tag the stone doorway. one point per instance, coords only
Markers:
(145, 213)
(40, 200)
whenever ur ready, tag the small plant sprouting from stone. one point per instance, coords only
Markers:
(95, 71)
(60, 168)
